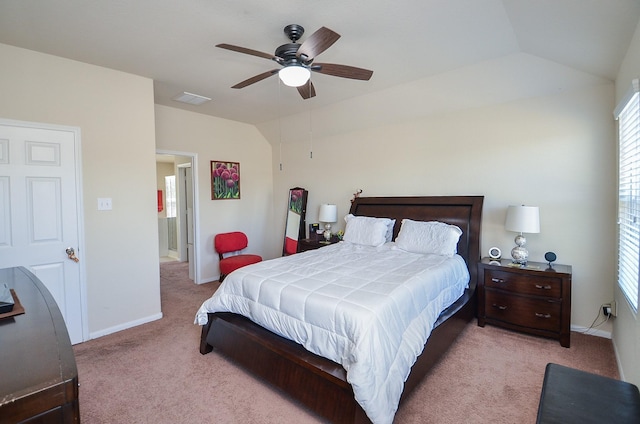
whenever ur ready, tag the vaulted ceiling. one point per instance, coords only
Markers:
(173, 43)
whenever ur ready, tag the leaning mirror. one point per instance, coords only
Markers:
(295, 225)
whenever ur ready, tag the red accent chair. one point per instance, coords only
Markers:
(233, 243)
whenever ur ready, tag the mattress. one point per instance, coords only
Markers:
(370, 309)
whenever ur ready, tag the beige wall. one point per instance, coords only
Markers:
(114, 111)
(627, 326)
(220, 139)
(555, 152)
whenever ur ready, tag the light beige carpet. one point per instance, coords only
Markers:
(154, 373)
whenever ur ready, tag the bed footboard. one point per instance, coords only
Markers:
(316, 382)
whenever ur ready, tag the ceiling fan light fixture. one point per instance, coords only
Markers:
(294, 75)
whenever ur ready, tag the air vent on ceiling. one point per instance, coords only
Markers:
(192, 99)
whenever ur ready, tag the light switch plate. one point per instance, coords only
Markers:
(104, 204)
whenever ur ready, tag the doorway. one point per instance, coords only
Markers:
(177, 221)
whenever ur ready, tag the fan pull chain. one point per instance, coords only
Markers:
(310, 126)
(280, 119)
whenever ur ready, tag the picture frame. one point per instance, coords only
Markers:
(225, 180)
(313, 230)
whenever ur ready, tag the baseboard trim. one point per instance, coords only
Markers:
(124, 326)
(591, 331)
(620, 370)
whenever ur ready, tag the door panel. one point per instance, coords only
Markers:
(43, 210)
(52, 276)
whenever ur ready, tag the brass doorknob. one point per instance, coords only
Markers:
(72, 254)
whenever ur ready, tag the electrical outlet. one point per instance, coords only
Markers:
(614, 309)
(609, 309)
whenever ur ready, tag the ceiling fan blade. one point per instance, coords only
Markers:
(316, 43)
(307, 91)
(256, 78)
(246, 51)
(343, 71)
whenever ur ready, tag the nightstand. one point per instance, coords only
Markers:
(314, 243)
(534, 299)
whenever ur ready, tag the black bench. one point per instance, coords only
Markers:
(573, 396)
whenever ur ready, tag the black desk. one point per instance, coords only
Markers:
(572, 396)
(38, 374)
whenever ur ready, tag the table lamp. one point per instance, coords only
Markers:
(522, 219)
(328, 215)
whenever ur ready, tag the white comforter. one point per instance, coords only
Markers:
(369, 309)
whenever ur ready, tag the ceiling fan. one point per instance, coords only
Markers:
(297, 60)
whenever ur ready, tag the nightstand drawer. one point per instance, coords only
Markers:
(523, 284)
(530, 312)
(314, 243)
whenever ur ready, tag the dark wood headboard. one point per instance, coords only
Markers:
(463, 211)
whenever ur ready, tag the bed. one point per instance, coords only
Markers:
(321, 384)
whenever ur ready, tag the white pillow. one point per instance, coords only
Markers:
(390, 225)
(366, 230)
(428, 237)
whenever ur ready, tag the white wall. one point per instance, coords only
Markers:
(223, 140)
(626, 325)
(114, 111)
(554, 151)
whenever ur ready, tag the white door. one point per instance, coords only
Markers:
(40, 211)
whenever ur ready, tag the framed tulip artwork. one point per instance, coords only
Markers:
(225, 180)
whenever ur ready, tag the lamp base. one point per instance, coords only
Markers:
(327, 233)
(519, 253)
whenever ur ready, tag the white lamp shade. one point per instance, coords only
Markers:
(328, 213)
(523, 219)
(294, 75)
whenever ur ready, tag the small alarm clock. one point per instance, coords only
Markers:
(495, 253)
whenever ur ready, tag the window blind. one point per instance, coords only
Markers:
(171, 197)
(628, 115)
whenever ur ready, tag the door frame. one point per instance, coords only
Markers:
(183, 239)
(79, 207)
(196, 208)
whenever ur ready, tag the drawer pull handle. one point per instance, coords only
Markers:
(539, 315)
(497, 280)
(501, 307)
(547, 287)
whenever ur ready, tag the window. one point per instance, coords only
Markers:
(628, 115)
(170, 190)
